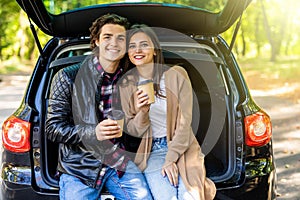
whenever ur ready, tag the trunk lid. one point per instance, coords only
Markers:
(75, 21)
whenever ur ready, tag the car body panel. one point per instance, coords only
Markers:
(153, 14)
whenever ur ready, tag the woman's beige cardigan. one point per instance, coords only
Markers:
(183, 148)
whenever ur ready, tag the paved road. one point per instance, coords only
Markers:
(286, 130)
(285, 116)
(11, 93)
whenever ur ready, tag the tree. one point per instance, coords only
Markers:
(8, 26)
(277, 25)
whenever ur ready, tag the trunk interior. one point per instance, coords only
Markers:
(203, 68)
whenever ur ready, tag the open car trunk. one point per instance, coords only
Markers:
(212, 122)
(213, 95)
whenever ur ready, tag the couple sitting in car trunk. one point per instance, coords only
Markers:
(167, 163)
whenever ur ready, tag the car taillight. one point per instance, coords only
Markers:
(258, 129)
(16, 135)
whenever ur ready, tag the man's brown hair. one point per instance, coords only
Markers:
(97, 25)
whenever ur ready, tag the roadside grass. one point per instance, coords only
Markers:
(282, 75)
(16, 67)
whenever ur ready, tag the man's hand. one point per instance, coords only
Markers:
(171, 171)
(107, 129)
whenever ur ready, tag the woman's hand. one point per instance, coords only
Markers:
(107, 129)
(171, 171)
(142, 101)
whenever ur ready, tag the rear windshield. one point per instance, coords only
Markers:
(60, 6)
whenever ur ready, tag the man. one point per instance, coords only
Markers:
(91, 156)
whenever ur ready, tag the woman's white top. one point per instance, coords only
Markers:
(158, 112)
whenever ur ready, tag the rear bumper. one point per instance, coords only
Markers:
(16, 184)
(20, 175)
(260, 187)
(12, 191)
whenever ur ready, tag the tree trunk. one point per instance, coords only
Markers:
(244, 44)
(21, 34)
(257, 33)
(0, 48)
(268, 30)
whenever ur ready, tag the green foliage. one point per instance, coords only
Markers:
(16, 39)
(8, 14)
(277, 32)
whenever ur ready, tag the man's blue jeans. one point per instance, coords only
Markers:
(131, 186)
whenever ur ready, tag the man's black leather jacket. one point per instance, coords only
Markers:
(72, 118)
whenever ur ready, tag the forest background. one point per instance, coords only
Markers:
(267, 45)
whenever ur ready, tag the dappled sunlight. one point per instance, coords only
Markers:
(283, 106)
(273, 79)
(284, 112)
(287, 159)
(16, 66)
(276, 91)
(292, 182)
(285, 148)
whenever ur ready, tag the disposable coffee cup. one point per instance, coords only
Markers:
(148, 88)
(117, 115)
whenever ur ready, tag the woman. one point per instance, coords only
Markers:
(169, 154)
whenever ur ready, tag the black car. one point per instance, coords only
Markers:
(234, 132)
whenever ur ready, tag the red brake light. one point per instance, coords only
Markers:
(258, 129)
(16, 135)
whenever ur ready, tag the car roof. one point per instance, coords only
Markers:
(185, 19)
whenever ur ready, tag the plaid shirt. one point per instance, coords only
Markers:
(106, 96)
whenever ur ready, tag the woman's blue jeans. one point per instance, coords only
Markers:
(131, 186)
(160, 186)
